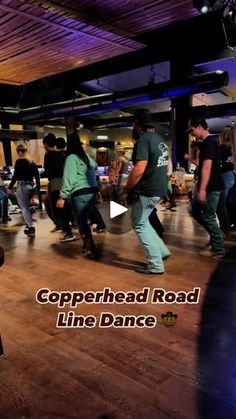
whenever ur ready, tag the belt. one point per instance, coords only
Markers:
(85, 191)
(26, 182)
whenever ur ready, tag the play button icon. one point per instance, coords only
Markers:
(116, 217)
(116, 209)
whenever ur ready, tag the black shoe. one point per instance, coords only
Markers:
(99, 230)
(30, 231)
(6, 219)
(92, 255)
(147, 272)
(68, 238)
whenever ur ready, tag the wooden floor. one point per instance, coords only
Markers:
(186, 371)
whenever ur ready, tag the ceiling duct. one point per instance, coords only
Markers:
(108, 102)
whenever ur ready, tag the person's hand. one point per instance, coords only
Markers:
(60, 203)
(186, 156)
(34, 199)
(122, 198)
(201, 197)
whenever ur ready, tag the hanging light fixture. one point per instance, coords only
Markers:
(225, 7)
(202, 5)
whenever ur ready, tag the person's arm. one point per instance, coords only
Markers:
(118, 166)
(48, 165)
(111, 175)
(133, 179)
(69, 174)
(37, 179)
(142, 157)
(136, 175)
(205, 176)
(195, 160)
(14, 178)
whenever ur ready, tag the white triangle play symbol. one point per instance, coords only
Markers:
(116, 209)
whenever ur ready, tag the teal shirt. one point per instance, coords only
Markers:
(77, 175)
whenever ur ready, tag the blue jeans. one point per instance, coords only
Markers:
(3, 202)
(154, 246)
(24, 192)
(82, 206)
(206, 216)
(95, 216)
(222, 213)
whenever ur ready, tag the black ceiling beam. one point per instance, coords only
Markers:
(107, 102)
(196, 40)
(9, 95)
(13, 135)
(209, 112)
(115, 122)
(9, 117)
(220, 111)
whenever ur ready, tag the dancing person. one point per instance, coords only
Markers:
(149, 177)
(24, 174)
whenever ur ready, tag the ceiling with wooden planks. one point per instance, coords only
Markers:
(55, 51)
(42, 38)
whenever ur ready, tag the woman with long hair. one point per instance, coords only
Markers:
(79, 183)
(24, 174)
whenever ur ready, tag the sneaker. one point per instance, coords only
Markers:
(91, 255)
(99, 230)
(30, 231)
(67, 238)
(6, 219)
(56, 230)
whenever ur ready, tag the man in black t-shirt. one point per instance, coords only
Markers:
(209, 187)
(149, 178)
(53, 165)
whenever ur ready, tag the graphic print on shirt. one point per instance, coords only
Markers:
(163, 159)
